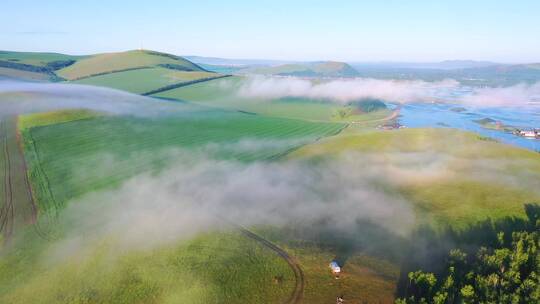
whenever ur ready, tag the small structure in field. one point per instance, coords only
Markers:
(334, 266)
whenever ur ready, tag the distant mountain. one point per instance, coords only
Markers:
(313, 69)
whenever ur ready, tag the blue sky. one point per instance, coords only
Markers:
(430, 30)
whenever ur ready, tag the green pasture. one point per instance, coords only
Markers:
(74, 157)
(215, 267)
(452, 177)
(143, 80)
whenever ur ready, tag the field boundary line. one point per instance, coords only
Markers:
(183, 84)
(111, 72)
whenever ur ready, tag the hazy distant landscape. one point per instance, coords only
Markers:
(197, 174)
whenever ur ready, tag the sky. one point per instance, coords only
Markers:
(353, 31)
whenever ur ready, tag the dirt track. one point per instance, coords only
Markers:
(17, 206)
(298, 292)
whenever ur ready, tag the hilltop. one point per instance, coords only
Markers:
(116, 62)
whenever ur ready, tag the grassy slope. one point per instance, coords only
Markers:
(470, 191)
(222, 93)
(110, 62)
(144, 80)
(37, 59)
(212, 268)
(215, 268)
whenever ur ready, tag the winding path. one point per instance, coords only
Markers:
(298, 292)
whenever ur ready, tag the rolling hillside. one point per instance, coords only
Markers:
(114, 62)
(140, 81)
(315, 69)
(33, 66)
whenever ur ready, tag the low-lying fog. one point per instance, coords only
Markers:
(200, 193)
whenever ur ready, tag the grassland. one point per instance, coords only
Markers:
(113, 62)
(54, 117)
(144, 80)
(212, 268)
(454, 178)
(72, 158)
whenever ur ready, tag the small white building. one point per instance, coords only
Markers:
(335, 267)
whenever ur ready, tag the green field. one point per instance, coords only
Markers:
(453, 177)
(143, 80)
(112, 62)
(72, 158)
(55, 117)
(211, 268)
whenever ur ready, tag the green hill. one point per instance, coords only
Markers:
(315, 69)
(140, 81)
(33, 66)
(35, 58)
(130, 60)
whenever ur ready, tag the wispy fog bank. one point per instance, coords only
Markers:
(400, 91)
(200, 194)
(24, 97)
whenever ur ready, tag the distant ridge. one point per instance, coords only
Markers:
(313, 69)
(114, 62)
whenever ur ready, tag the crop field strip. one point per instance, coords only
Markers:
(18, 205)
(6, 211)
(56, 151)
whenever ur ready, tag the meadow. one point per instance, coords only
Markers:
(74, 157)
(214, 267)
(454, 178)
(140, 81)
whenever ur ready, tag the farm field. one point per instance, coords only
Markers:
(68, 159)
(449, 184)
(144, 80)
(114, 62)
(17, 207)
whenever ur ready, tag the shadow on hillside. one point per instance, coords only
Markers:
(364, 236)
(428, 250)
